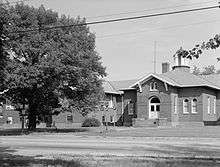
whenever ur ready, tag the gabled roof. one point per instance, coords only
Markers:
(115, 87)
(108, 88)
(124, 84)
(182, 79)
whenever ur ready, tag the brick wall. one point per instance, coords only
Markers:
(129, 96)
(144, 96)
(9, 113)
(190, 94)
(62, 118)
(211, 94)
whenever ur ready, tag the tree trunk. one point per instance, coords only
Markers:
(32, 118)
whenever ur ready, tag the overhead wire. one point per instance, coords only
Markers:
(156, 29)
(120, 19)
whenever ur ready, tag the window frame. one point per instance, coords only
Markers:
(103, 118)
(110, 102)
(194, 106)
(175, 104)
(208, 105)
(185, 106)
(69, 116)
(153, 86)
(111, 118)
(214, 105)
(130, 106)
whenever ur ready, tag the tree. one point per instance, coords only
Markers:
(206, 70)
(195, 52)
(46, 66)
(196, 71)
(3, 54)
(209, 70)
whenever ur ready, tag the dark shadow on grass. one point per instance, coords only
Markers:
(17, 132)
(7, 159)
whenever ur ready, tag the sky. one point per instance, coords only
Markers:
(127, 48)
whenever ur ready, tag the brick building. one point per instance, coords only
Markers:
(175, 97)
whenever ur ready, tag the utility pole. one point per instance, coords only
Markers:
(155, 54)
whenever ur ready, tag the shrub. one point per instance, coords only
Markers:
(91, 122)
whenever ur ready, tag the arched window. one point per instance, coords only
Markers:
(185, 106)
(194, 106)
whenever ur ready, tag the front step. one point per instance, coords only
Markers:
(141, 122)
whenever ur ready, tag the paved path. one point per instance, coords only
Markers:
(69, 144)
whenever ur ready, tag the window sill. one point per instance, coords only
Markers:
(186, 113)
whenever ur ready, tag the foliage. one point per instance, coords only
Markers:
(91, 122)
(207, 70)
(195, 52)
(46, 66)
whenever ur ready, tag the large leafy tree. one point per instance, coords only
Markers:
(45, 66)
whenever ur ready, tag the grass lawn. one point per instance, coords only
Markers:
(147, 143)
(197, 132)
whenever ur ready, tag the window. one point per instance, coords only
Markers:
(69, 118)
(157, 107)
(152, 107)
(10, 120)
(194, 106)
(103, 118)
(130, 108)
(185, 106)
(153, 86)
(9, 107)
(209, 105)
(1, 111)
(214, 105)
(110, 102)
(111, 119)
(175, 104)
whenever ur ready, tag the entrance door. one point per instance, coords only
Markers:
(154, 108)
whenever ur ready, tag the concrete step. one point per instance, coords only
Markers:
(149, 122)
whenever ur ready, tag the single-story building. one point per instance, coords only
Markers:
(175, 97)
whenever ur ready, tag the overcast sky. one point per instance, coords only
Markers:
(127, 47)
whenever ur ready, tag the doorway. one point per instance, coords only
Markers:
(154, 108)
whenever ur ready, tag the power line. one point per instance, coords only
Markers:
(120, 19)
(147, 10)
(156, 29)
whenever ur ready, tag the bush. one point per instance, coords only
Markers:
(91, 122)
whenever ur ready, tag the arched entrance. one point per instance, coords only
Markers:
(154, 107)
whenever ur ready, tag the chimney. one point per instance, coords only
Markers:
(165, 67)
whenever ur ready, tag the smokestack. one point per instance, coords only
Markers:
(165, 67)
